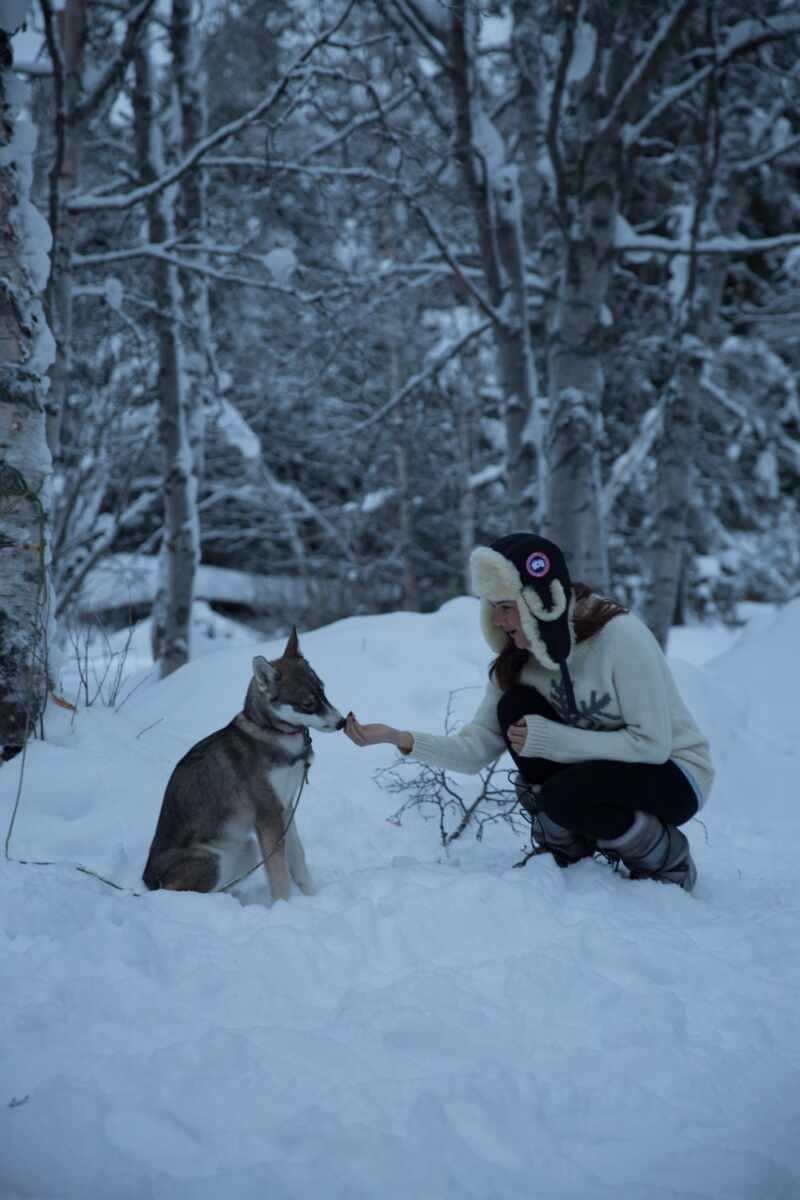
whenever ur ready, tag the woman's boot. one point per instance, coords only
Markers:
(651, 849)
(565, 845)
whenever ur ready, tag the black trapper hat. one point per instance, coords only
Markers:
(532, 571)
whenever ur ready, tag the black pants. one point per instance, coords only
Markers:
(596, 798)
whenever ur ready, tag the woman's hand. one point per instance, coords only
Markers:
(517, 735)
(377, 735)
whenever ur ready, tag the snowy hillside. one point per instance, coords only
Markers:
(427, 1025)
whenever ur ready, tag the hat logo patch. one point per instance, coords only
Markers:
(537, 564)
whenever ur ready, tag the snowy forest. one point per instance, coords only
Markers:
(302, 300)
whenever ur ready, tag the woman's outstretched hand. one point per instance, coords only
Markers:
(377, 735)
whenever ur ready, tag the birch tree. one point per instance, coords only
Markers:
(190, 126)
(74, 104)
(26, 352)
(713, 207)
(180, 553)
(492, 177)
(374, 410)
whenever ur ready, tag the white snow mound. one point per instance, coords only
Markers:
(428, 1025)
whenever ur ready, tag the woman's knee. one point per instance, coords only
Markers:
(573, 799)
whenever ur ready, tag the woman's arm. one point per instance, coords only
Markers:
(475, 745)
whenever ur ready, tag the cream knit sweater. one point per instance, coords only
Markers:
(629, 708)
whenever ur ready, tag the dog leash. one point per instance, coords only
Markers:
(28, 862)
(282, 839)
(118, 887)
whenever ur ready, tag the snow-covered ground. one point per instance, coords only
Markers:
(430, 1024)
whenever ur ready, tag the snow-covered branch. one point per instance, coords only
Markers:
(436, 364)
(742, 38)
(421, 18)
(554, 114)
(143, 504)
(629, 464)
(115, 70)
(487, 475)
(644, 66)
(95, 203)
(768, 156)
(369, 118)
(741, 246)
(464, 280)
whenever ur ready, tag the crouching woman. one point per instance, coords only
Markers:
(581, 695)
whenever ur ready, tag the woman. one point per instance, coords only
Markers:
(581, 695)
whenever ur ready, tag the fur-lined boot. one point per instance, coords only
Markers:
(651, 849)
(565, 845)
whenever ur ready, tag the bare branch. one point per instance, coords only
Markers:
(128, 200)
(423, 86)
(760, 160)
(742, 38)
(60, 115)
(414, 382)
(553, 148)
(628, 463)
(413, 19)
(644, 66)
(715, 245)
(467, 283)
(116, 69)
(357, 123)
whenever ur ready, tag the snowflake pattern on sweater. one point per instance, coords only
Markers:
(593, 713)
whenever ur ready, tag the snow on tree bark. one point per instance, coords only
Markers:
(673, 493)
(26, 352)
(180, 551)
(192, 113)
(575, 509)
(602, 79)
(66, 46)
(495, 194)
(465, 416)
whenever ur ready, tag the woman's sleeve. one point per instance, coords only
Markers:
(639, 672)
(476, 744)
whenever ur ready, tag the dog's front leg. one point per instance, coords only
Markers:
(273, 848)
(297, 861)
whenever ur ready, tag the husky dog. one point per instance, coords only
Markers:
(245, 779)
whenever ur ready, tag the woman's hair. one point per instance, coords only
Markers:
(592, 613)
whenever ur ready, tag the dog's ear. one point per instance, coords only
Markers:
(292, 649)
(265, 675)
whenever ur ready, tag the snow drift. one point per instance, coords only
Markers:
(428, 1025)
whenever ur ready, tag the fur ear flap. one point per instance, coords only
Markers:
(292, 648)
(265, 675)
(493, 576)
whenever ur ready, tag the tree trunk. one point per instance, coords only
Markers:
(190, 84)
(697, 317)
(495, 196)
(181, 542)
(26, 353)
(587, 175)
(64, 179)
(466, 498)
(405, 526)
(575, 510)
(595, 93)
(673, 494)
